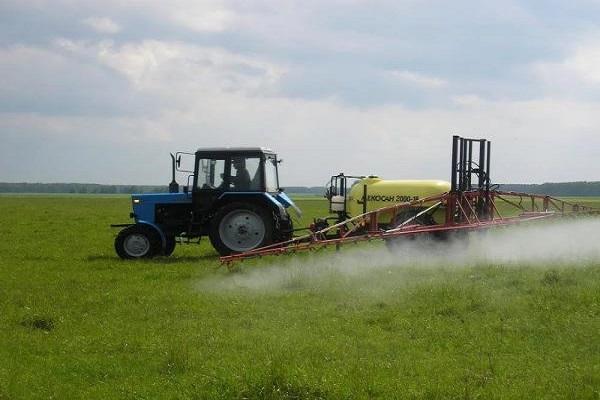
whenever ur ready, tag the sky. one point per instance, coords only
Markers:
(102, 91)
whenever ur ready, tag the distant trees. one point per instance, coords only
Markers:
(557, 189)
(79, 188)
(553, 189)
(317, 190)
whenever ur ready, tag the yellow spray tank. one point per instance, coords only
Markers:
(381, 193)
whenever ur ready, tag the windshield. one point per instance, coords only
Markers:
(271, 180)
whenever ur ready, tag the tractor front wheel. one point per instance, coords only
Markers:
(138, 241)
(240, 227)
(169, 246)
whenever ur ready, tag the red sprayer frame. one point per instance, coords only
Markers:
(460, 215)
(467, 207)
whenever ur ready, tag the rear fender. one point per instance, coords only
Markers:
(257, 198)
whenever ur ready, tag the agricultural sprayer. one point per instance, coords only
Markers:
(369, 208)
(233, 197)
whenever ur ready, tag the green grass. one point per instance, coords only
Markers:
(76, 322)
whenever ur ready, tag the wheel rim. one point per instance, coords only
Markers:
(136, 245)
(242, 230)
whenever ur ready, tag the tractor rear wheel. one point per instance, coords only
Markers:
(138, 241)
(240, 227)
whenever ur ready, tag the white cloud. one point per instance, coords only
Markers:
(585, 62)
(197, 15)
(204, 19)
(418, 79)
(466, 100)
(178, 68)
(102, 25)
(579, 68)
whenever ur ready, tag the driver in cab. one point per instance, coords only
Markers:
(241, 180)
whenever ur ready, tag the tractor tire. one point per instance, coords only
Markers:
(169, 246)
(138, 241)
(239, 227)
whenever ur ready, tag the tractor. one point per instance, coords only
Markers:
(234, 198)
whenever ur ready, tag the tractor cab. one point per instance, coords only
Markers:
(236, 170)
(232, 196)
(226, 174)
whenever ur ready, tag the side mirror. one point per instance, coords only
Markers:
(184, 164)
(185, 189)
(280, 161)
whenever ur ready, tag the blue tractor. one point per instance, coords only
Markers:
(234, 199)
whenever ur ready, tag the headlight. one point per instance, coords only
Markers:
(137, 201)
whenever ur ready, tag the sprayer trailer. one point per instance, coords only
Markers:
(232, 196)
(368, 208)
(350, 196)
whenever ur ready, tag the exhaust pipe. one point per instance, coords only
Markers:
(173, 186)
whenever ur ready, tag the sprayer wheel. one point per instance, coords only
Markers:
(423, 220)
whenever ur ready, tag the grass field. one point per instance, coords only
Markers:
(76, 322)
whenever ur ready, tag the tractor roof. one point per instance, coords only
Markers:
(237, 150)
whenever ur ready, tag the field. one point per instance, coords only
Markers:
(77, 322)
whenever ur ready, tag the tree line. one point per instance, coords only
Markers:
(78, 188)
(557, 189)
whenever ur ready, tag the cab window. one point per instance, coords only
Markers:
(271, 179)
(210, 173)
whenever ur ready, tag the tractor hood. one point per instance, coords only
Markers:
(144, 205)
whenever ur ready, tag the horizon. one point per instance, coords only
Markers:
(283, 186)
